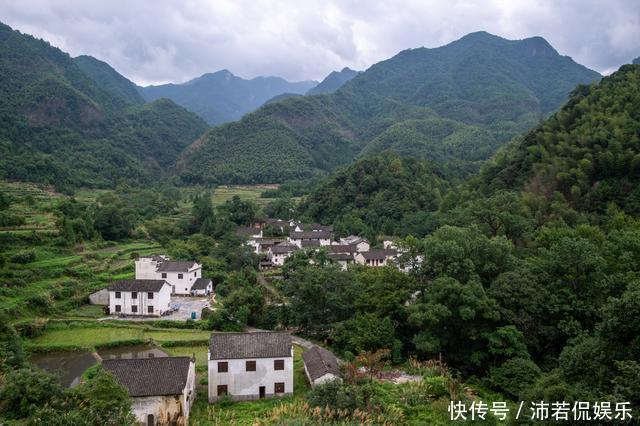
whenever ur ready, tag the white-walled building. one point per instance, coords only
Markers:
(139, 297)
(278, 253)
(353, 240)
(180, 275)
(249, 366)
(202, 287)
(297, 238)
(376, 258)
(162, 390)
(320, 365)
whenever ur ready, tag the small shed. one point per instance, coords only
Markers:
(202, 287)
(321, 365)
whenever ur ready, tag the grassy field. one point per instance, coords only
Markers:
(246, 193)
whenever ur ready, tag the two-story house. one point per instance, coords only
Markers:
(249, 366)
(297, 238)
(180, 275)
(278, 253)
(139, 297)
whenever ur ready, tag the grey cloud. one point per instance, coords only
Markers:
(165, 40)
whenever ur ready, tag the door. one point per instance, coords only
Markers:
(151, 421)
(262, 392)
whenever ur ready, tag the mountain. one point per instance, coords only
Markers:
(108, 79)
(457, 103)
(333, 81)
(587, 154)
(636, 60)
(62, 126)
(222, 97)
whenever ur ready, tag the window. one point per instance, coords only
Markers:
(134, 294)
(118, 308)
(150, 295)
(278, 387)
(223, 367)
(118, 295)
(251, 366)
(134, 309)
(164, 275)
(278, 364)
(180, 276)
(195, 274)
(150, 309)
(222, 390)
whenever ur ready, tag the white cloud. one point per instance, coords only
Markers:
(165, 40)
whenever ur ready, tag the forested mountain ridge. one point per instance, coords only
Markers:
(587, 154)
(497, 87)
(221, 97)
(334, 81)
(108, 79)
(58, 126)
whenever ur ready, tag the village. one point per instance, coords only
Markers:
(241, 366)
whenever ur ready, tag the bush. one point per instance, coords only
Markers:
(40, 303)
(334, 395)
(24, 257)
(515, 375)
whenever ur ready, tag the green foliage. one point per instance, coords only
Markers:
(23, 257)
(515, 375)
(457, 103)
(23, 390)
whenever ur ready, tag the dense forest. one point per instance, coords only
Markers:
(62, 126)
(478, 91)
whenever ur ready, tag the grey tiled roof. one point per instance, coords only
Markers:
(175, 266)
(340, 256)
(310, 235)
(319, 362)
(284, 248)
(378, 254)
(310, 243)
(201, 284)
(267, 344)
(150, 376)
(137, 285)
(343, 248)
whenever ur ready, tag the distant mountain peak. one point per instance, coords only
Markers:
(333, 81)
(636, 60)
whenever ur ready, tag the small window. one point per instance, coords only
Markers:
(278, 364)
(150, 309)
(134, 309)
(134, 294)
(164, 275)
(222, 390)
(278, 387)
(118, 308)
(251, 366)
(150, 295)
(118, 295)
(195, 274)
(180, 276)
(223, 367)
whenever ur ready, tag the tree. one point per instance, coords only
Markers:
(515, 375)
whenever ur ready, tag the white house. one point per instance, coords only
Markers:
(180, 275)
(376, 258)
(162, 390)
(297, 238)
(202, 287)
(361, 243)
(320, 365)
(278, 253)
(249, 366)
(139, 297)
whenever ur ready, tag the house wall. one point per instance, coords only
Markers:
(160, 302)
(298, 242)
(278, 259)
(182, 285)
(244, 385)
(100, 297)
(203, 292)
(146, 269)
(363, 246)
(165, 409)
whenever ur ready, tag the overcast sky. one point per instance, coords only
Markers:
(158, 41)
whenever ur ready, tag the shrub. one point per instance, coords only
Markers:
(40, 303)
(24, 257)
(515, 375)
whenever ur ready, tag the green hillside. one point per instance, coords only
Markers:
(108, 79)
(499, 87)
(587, 154)
(334, 81)
(58, 126)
